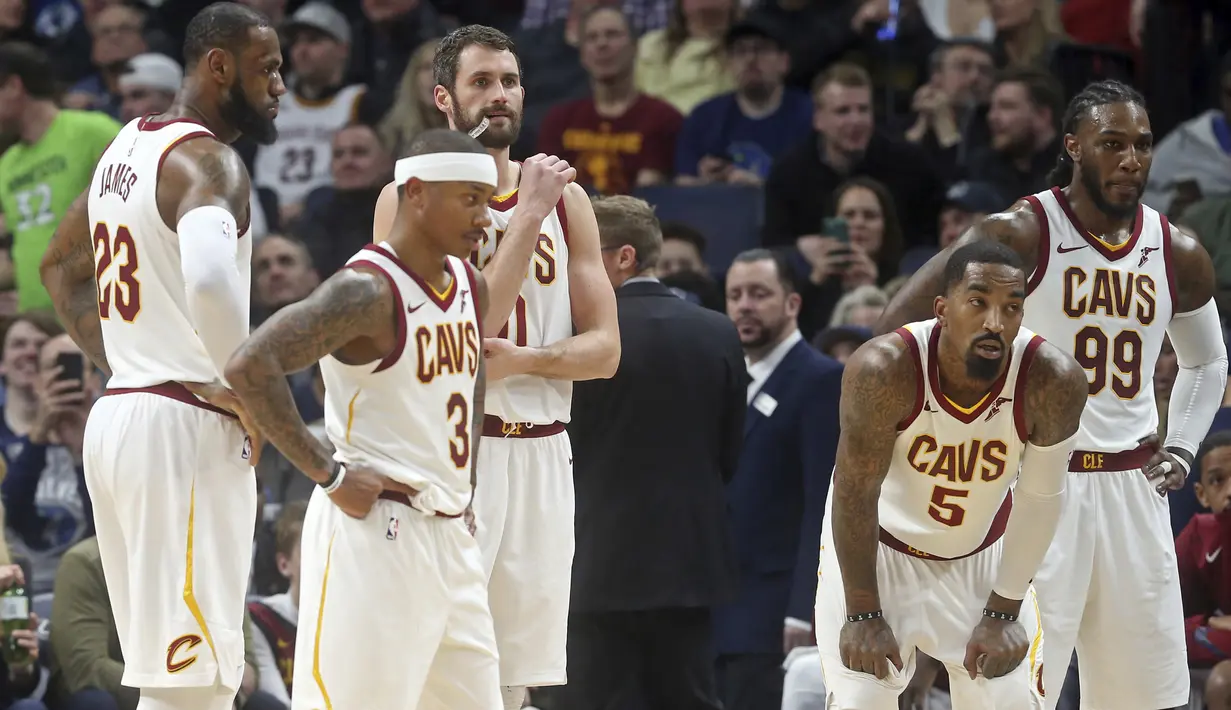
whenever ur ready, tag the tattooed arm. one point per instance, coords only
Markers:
(878, 392)
(1056, 394)
(352, 305)
(67, 272)
(1017, 228)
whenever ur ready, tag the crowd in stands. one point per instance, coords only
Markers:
(747, 123)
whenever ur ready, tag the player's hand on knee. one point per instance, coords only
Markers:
(996, 647)
(543, 179)
(869, 646)
(359, 491)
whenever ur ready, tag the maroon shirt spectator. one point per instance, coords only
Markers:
(617, 138)
(1205, 574)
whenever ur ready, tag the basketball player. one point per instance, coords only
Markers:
(1109, 278)
(393, 611)
(150, 273)
(932, 530)
(546, 276)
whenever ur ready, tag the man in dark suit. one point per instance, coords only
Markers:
(777, 498)
(653, 449)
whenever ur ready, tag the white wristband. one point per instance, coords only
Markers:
(337, 482)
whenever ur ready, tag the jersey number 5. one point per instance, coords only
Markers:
(945, 511)
(1094, 351)
(121, 287)
(459, 443)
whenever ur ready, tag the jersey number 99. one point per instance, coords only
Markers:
(1097, 353)
(121, 289)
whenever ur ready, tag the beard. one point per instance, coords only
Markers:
(759, 91)
(239, 113)
(982, 368)
(1090, 180)
(495, 137)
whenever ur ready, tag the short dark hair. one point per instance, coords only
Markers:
(222, 25)
(1042, 89)
(31, 65)
(684, 233)
(449, 51)
(41, 319)
(1217, 440)
(1100, 93)
(443, 140)
(786, 274)
(981, 252)
(937, 59)
(298, 244)
(585, 18)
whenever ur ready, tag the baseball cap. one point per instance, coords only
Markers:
(754, 26)
(974, 196)
(153, 71)
(321, 17)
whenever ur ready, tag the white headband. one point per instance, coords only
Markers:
(447, 167)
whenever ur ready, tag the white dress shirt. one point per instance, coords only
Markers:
(760, 370)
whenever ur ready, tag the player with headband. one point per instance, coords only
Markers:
(393, 611)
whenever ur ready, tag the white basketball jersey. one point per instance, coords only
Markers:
(409, 415)
(542, 315)
(147, 332)
(953, 467)
(1109, 307)
(300, 161)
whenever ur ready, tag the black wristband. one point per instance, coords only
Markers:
(333, 477)
(1000, 615)
(866, 616)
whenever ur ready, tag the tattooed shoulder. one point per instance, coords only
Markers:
(1017, 228)
(353, 296)
(1056, 394)
(879, 385)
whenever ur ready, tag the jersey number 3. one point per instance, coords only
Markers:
(121, 287)
(459, 443)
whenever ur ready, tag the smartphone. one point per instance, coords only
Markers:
(837, 228)
(72, 366)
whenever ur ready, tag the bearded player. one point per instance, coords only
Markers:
(545, 277)
(1110, 278)
(150, 272)
(947, 489)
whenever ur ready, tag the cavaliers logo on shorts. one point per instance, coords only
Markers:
(186, 642)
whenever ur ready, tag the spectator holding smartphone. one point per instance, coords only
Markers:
(860, 246)
(44, 492)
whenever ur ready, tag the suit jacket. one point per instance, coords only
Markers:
(777, 501)
(653, 448)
